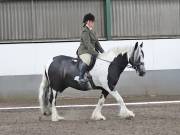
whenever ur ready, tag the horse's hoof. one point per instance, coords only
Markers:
(98, 117)
(102, 118)
(126, 114)
(129, 118)
(55, 120)
(58, 118)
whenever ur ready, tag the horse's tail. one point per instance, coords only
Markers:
(43, 94)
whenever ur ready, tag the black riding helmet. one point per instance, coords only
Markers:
(88, 17)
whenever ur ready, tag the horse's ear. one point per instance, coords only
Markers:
(136, 45)
(141, 45)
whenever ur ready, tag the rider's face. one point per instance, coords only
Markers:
(90, 24)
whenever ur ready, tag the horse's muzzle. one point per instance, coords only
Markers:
(142, 71)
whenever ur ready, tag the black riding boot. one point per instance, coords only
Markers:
(83, 69)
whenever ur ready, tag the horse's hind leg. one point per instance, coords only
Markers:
(97, 115)
(43, 96)
(55, 116)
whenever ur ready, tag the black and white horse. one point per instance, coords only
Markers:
(63, 71)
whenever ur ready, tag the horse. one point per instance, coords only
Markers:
(63, 71)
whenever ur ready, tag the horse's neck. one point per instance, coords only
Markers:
(112, 53)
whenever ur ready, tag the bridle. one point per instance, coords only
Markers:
(135, 65)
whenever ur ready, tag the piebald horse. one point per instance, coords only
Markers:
(63, 71)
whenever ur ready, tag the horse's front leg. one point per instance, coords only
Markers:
(124, 111)
(97, 115)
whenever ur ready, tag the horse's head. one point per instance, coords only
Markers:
(137, 59)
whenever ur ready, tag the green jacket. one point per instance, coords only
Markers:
(89, 43)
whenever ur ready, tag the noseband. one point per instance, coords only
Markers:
(135, 65)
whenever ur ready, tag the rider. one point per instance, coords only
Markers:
(89, 45)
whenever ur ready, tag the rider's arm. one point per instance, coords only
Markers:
(98, 47)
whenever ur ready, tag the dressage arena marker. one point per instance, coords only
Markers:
(78, 106)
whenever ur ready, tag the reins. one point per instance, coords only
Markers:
(128, 66)
(104, 60)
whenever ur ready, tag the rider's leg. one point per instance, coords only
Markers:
(83, 69)
(86, 59)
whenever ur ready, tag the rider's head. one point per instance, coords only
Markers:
(88, 20)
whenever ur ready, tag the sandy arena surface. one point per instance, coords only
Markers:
(150, 120)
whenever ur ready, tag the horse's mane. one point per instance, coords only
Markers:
(114, 52)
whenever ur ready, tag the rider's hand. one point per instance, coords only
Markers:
(95, 55)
